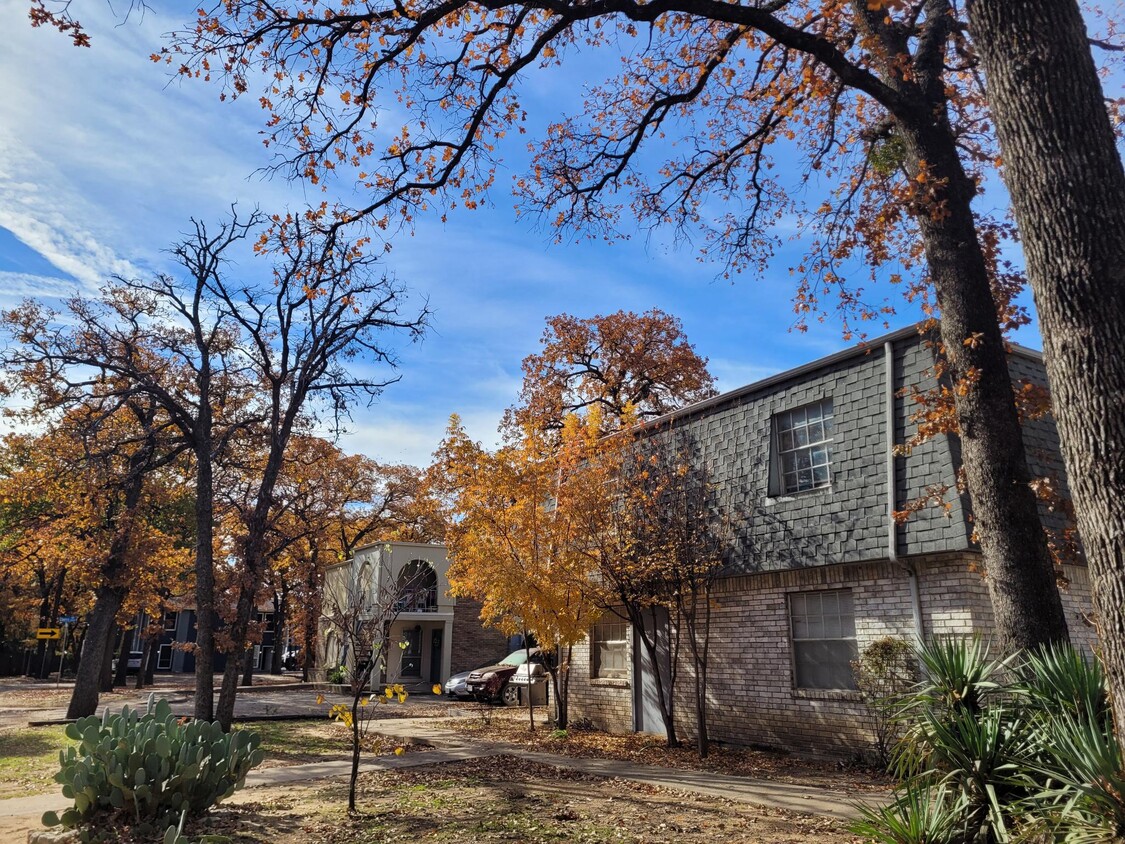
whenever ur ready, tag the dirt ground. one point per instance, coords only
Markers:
(504, 799)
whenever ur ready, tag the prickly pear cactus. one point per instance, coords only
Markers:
(148, 772)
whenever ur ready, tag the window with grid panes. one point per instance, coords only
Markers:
(609, 648)
(822, 625)
(804, 447)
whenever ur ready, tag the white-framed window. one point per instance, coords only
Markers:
(609, 648)
(170, 622)
(822, 626)
(803, 438)
(164, 658)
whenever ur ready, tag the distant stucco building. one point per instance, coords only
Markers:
(440, 635)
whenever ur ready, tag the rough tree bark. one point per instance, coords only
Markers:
(1067, 183)
(204, 708)
(1020, 573)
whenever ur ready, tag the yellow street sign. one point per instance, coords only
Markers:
(48, 633)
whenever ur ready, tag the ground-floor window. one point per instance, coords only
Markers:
(822, 625)
(609, 648)
(164, 657)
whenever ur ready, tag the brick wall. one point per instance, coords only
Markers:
(751, 694)
(607, 704)
(474, 644)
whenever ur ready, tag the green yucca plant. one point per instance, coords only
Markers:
(1015, 750)
(1059, 680)
(960, 673)
(920, 814)
(1081, 778)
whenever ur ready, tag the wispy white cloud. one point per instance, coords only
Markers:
(102, 162)
(17, 286)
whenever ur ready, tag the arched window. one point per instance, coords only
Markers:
(417, 584)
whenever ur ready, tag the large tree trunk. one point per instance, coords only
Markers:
(239, 627)
(1019, 571)
(248, 667)
(254, 559)
(1067, 184)
(204, 581)
(122, 660)
(99, 638)
(280, 620)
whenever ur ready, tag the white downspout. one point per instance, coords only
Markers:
(892, 527)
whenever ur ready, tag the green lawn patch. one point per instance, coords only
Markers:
(29, 759)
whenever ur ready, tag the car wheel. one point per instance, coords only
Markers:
(510, 695)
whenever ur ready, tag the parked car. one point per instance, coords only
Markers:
(289, 661)
(456, 686)
(491, 683)
(133, 665)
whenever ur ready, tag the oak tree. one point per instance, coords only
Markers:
(1063, 168)
(619, 363)
(880, 102)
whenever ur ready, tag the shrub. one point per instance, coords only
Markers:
(337, 675)
(147, 772)
(884, 672)
(1017, 750)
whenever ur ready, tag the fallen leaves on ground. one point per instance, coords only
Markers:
(651, 750)
(508, 799)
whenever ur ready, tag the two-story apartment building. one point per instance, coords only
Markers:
(431, 634)
(806, 464)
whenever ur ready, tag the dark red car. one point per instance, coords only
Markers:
(491, 682)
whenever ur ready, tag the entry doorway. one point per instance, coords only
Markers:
(646, 697)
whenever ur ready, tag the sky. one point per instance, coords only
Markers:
(104, 160)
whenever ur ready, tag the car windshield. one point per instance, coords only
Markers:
(515, 658)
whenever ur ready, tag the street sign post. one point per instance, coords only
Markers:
(48, 633)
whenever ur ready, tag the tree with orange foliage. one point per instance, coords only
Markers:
(881, 101)
(226, 358)
(513, 541)
(89, 480)
(620, 363)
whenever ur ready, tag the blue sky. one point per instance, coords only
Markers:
(103, 161)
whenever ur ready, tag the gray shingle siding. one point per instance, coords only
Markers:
(848, 521)
(1041, 437)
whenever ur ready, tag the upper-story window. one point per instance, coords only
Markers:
(804, 447)
(417, 583)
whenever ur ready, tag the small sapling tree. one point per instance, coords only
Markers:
(360, 608)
